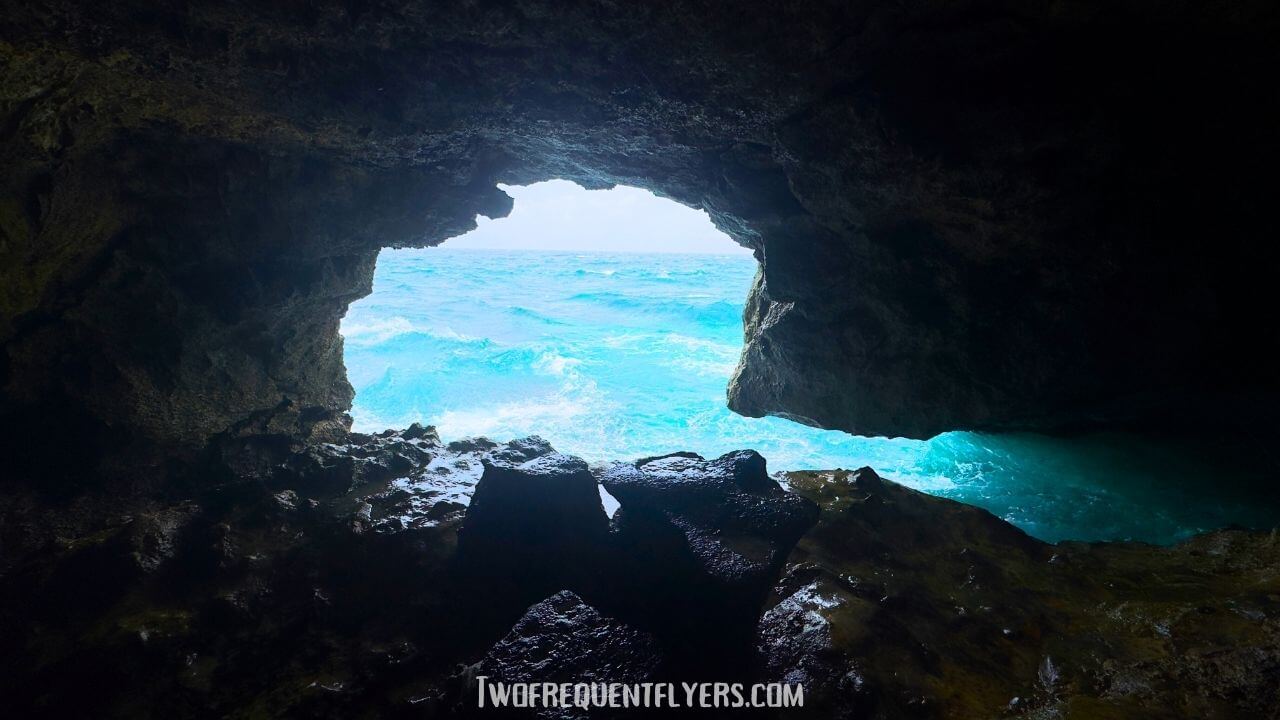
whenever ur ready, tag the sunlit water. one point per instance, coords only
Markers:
(618, 356)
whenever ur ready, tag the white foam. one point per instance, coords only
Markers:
(513, 419)
(553, 363)
(375, 332)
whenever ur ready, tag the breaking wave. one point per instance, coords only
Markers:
(616, 356)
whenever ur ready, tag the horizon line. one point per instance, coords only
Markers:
(579, 251)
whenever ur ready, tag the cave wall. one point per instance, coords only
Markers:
(969, 215)
(206, 296)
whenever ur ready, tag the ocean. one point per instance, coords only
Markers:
(624, 355)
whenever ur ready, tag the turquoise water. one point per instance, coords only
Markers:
(617, 356)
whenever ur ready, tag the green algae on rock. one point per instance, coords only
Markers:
(900, 604)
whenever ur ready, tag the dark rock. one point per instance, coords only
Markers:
(535, 522)
(701, 541)
(417, 431)
(511, 454)
(286, 500)
(798, 644)
(292, 592)
(399, 480)
(153, 536)
(900, 604)
(361, 460)
(895, 604)
(564, 640)
(738, 523)
(472, 445)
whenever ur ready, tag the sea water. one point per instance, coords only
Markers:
(620, 356)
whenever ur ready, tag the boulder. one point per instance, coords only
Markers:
(535, 523)
(701, 541)
(564, 640)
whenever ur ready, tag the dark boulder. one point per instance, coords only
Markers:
(701, 541)
(535, 523)
(564, 640)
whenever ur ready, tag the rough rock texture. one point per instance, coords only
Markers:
(701, 541)
(329, 585)
(564, 640)
(899, 604)
(320, 587)
(355, 579)
(981, 213)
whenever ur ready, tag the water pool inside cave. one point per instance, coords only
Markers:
(619, 355)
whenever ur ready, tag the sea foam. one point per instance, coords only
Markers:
(618, 356)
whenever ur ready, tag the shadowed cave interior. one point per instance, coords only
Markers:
(990, 217)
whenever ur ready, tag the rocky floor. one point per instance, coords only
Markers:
(381, 576)
(900, 604)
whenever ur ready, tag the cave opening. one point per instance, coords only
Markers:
(609, 323)
(995, 217)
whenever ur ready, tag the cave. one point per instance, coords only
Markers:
(989, 217)
(609, 324)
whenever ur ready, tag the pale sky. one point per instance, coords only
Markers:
(558, 215)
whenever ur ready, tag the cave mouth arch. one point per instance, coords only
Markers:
(609, 322)
(575, 319)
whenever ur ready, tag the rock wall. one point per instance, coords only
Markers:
(969, 215)
(374, 578)
(206, 296)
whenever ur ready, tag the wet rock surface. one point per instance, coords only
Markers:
(332, 585)
(564, 640)
(420, 482)
(322, 587)
(540, 500)
(357, 576)
(702, 540)
(899, 604)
